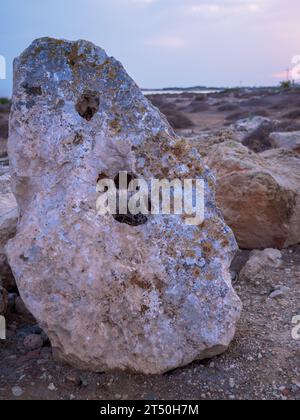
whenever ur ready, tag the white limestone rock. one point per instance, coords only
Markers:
(146, 298)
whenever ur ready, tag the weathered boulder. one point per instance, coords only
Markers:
(259, 194)
(258, 262)
(110, 295)
(247, 126)
(288, 141)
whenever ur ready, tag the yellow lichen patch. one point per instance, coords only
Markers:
(196, 272)
(210, 277)
(190, 253)
(207, 249)
(115, 125)
(225, 243)
(137, 280)
(180, 148)
(112, 73)
(73, 57)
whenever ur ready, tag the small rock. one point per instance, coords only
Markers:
(231, 383)
(51, 387)
(284, 289)
(84, 382)
(279, 293)
(285, 391)
(33, 342)
(73, 378)
(17, 391)
(258, 262)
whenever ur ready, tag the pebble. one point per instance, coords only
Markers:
(279, 293)
(51, 387)
(33, 342)
(17, 391)
(84, 382)
(74, 379)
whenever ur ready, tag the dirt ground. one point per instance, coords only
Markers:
(263, 361)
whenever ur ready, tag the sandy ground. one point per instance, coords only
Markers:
(263, 362)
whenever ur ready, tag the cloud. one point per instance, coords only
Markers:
(171, 42)
(216, 7)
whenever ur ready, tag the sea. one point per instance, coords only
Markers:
(177, 92)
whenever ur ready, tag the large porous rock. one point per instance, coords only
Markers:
(259, 194)
(111, 294)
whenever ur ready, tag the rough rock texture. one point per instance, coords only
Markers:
(289, 141)
(247, 127)
(206, 140)
(4, 114)
(8, 219)
(259, 194)
(146, 298)
(8, 225)
(260, 261)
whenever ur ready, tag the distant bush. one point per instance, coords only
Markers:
(179, 120)
(238, 115)
(227, 107)
(4, 101)
(286, 84)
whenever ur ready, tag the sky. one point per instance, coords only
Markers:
(165, 43)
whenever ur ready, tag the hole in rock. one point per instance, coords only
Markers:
(100, 178)
(129, 219)
(32, 90)
(88, 105)
(130, 178)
